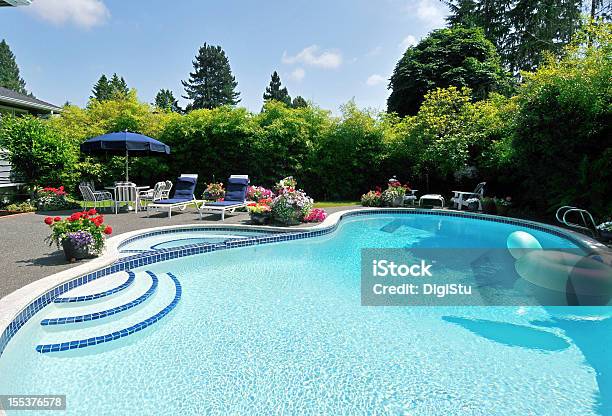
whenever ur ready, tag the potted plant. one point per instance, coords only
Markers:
(260, 212)
(81, 235)
(256, 193)
(488, 206)
(393, 196)
(372, 199)
(291, 205)
(316, 215)
(214, 192)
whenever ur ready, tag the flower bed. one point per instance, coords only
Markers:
(53, 199)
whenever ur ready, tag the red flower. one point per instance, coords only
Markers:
(108, 230)
(48, 220)
(98, 221)
(92, 212)
(57, 219)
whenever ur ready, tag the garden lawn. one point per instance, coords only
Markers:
(331, 204)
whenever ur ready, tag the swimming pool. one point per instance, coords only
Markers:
(279, 328)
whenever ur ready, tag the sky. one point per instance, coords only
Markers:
(326, 51)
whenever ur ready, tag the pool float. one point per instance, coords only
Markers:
(584, 280)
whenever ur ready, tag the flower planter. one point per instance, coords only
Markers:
(260, 219)
(72, 252)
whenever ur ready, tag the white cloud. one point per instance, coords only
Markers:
(298, 74)
(313, 57)
(375, 79)
(408, 42)
(431, 12)
(83, 13)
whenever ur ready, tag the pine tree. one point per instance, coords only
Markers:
(118, 87)
(299, 102)
(165, 100)
(9, 71)
(275, 92)
(101, 90)
(211, 84)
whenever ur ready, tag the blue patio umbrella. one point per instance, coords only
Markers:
(124, 143)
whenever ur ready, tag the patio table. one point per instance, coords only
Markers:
(138, 189)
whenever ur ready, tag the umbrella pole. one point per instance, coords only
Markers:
(127, 178)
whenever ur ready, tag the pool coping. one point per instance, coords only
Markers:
(19, 306)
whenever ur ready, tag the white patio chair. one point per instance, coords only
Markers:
(95, 197)
(126, 193)
(152, 194)
(460, 198)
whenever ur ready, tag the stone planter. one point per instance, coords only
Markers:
(396, 202)
(260, 218)
(74, 253)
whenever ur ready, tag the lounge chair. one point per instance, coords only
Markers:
(460, 198)
(235, 197)
(182, 198)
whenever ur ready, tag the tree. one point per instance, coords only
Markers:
(522, 30)
(460, 57)
(275, 92)
(299, 102)
(9, 71)
(211, 84)
(118, 87)
(101, 90)
(165, 100)
(105, 89)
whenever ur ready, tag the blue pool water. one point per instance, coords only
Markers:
(279, 329)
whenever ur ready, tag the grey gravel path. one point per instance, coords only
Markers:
(25, 257)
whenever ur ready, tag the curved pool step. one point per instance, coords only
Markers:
(94, 285)
(106, 312)
(119, 329)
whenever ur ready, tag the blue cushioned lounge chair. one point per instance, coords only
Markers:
(183, 197)
(235, 197)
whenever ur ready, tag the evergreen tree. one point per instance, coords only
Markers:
(211, 84)
(110, 89)
(9, 71)
(101, 90)
(299, 102)
(275, 92)
(165, 100)
(118, 87)
(522, 30)
(459, 57)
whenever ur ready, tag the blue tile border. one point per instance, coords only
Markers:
(143, 259)
(71, 345)
(107, 312)
(109, 292)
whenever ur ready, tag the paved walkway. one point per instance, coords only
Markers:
(25, 257)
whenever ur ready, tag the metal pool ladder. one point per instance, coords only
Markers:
(588, 223)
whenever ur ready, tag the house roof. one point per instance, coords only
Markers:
(11, 97)
(15, 2)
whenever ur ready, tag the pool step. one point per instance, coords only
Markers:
(99, 288)
(161, 303)
(117, 304)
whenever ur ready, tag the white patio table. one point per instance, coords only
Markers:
(138, 189)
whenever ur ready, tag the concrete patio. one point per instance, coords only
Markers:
(27, 257)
